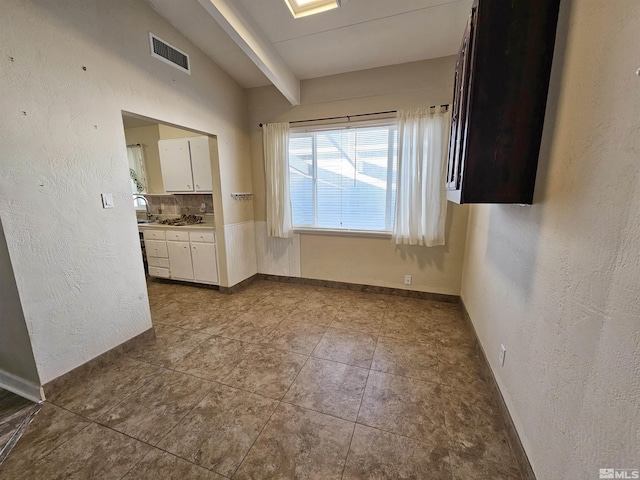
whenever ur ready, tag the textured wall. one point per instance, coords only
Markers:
(558, 283)
(78, 267)
(372, 261)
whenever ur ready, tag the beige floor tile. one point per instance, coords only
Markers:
(384, 456)
(298, 444)
(214, 358)
(474, 425)
(467, 467)
(322, 316)
(96, 452)
(169, 346)
(329, 387)
(50, 428)
(165, 312)
(360, 321)
(249, 327)
(103, 390)
(151, 412)
(320, 300)
(403, 325)
(241, 301)
(159, 465)
(405, 406)
(354, 348)
(266, 371)
(203, 317)
(220, 430)
(416, 358)
(288, 300)
(296, 337)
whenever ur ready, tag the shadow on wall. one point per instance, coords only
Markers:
(17, 364)
(429, 256)
(515, 254)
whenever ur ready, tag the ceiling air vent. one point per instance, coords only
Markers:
(169, 54)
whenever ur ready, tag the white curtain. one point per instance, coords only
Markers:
(275, 141)
(136, 169)
(421, 199)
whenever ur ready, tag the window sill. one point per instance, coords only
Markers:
(341, 233)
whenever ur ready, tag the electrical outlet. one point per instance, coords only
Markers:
(407, 279)
(503, 352)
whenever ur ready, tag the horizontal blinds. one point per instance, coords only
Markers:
(344, 178)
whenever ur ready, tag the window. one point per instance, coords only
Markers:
(344, 178)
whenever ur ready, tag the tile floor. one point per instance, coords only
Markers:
(15, 413)
(278, 381)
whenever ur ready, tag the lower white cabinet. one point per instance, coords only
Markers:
(185, 255)
(180, 264)
(205, 263)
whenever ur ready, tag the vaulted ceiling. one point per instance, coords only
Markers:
(258, 42)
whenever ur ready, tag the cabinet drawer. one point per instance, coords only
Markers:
(156, 248)
(158, 272)
(203, 237)
(153, 235)
(177, 236)
(158, 262)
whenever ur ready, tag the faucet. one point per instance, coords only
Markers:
(146, 206)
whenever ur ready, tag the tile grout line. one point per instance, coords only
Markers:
(128, 436)
(41, 458)
(355, 423)
(280, 401)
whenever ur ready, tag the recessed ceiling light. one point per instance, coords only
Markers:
(302, 8)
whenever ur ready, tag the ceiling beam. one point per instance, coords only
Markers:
(255, 45)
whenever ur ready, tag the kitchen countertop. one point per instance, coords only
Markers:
(196, 226)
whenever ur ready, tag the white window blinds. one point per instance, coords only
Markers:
(344, 178)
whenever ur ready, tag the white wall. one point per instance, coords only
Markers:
(558, 283)
(78, 267)
(18, 372)
(369, 261)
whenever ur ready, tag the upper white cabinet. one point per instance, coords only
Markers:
(186, 165)
(201, 164)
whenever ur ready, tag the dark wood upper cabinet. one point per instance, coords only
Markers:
(500, 95)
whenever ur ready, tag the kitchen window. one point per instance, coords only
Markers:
(344, 178)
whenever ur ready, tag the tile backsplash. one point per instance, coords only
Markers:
(179, 204)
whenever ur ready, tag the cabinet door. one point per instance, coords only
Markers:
(205, 265)
(180, 260)
(175, 162)
(201, 164)
(156, 248)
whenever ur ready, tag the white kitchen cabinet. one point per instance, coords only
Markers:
(156, 248)
(182, 254)
(180, 264)
(205, 263)
(201, 164)
(186, 164)
(175, 162)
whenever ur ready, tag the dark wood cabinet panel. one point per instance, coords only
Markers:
(500, 94)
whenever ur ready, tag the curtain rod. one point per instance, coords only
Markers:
(349, 117)
(134, 145)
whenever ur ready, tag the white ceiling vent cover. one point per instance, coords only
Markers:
(169, 54)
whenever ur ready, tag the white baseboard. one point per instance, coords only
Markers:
(22, 387)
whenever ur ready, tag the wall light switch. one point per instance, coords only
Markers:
(107, 200)
(503, 352)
